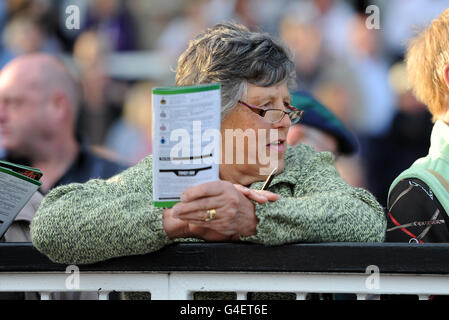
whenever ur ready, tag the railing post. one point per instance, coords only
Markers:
(103, 295)
(241, 295)
(45, 296)
(301, 296)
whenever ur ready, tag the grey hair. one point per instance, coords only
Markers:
(234, 56)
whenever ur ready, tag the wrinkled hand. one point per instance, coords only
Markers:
(234, 211)
(260, 196)
(177, 228)
(185, 228)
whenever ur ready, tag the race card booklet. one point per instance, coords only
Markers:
(186, 140)
(17, 185)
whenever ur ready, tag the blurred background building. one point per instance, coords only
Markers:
(124, 48)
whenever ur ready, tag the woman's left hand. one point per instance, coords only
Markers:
(234, 213)
(260, 196)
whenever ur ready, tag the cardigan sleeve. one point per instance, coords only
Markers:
(319, 207)
(100, 219)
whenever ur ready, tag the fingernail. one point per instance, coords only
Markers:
(183, 197)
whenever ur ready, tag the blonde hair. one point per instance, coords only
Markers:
(427, 55)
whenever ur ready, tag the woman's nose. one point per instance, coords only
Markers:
(284, 123)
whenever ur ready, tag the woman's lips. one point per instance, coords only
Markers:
(278, 146)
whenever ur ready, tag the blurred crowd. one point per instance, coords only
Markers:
(354, 67)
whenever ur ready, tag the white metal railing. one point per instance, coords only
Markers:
(332, 268)
(182, 285)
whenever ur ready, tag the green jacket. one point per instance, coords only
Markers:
(103, 219)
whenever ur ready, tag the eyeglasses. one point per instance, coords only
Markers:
(276, 115)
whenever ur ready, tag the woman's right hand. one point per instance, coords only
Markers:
(174, 227)
(177, 228)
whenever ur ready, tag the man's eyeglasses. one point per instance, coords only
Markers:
(276, 115)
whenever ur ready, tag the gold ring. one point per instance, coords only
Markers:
(210, 215)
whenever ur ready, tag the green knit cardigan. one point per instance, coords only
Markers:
(102, 219)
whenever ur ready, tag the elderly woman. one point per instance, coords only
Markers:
(418, 199)
(307, 201)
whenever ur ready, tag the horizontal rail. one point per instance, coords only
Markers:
(182, 285)
(242, 257)
(179, 271)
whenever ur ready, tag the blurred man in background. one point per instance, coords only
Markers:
(38, 112)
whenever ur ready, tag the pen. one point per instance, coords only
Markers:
(269, 179)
